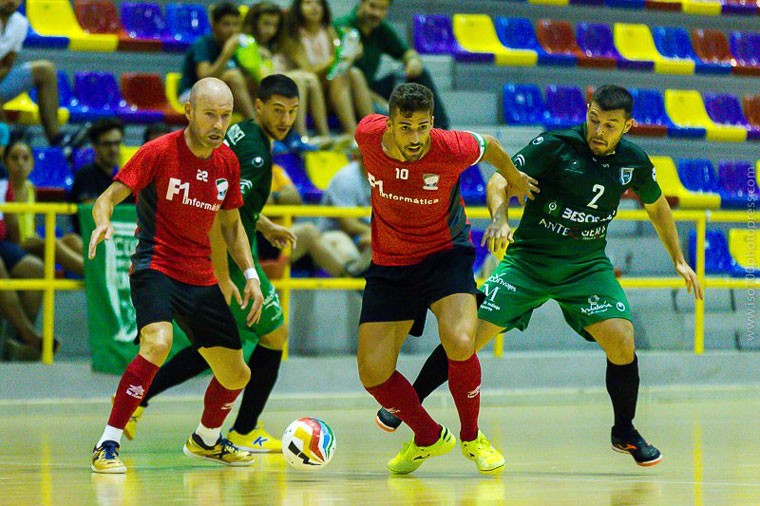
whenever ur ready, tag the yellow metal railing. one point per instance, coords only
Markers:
(48, 284)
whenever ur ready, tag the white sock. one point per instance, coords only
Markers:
(110, 434)
(209, 436)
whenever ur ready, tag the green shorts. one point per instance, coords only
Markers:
(271, 312)
(590, 296)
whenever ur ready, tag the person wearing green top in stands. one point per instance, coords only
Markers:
(251, 140)
(557, 252)
(378, 37)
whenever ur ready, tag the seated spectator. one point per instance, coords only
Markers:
(19, 162)
(264, 23)
(213, 55)
(20, 308)
(309, 240)
(38, 74)
(379, 38)
(155, 130)
(106, 136)
(350, 237)
(308, 43)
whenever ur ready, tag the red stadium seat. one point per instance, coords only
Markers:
(751, 108)
(97, 16)
(712, 47)
(146, 93)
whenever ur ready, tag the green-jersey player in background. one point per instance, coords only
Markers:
(557, 252)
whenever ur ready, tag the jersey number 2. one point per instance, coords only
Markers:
(598, 192)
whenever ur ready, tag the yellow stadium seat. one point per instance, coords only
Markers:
(56, 17)
(671, 185)
(686, 108)
(29, 112)
(635, 42)
(127, 152)
(172, 91)
(702, 7)
(744, 247)
(477, 34)
(321, 166)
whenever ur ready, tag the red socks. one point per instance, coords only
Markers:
(464, 384)
(398, 397)
(217, 404)
(134, 383)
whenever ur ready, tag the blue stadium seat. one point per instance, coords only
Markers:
(144, 26)
(718, 259)
(745, 46)
(736, 185)
(565, 107)
(294, 166)
(674, 42)
(698, 175)
(81, 158)
(184, 24)
(725, 109)
(595, 40)
(473, 186)
(518, 33)
(96, 95)
(649, 113)
(65, 95)
(50, 169)
(523, 104)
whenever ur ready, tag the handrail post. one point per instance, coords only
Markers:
(48, 298)
(699, 305)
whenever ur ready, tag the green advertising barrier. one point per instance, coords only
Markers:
(110, 314)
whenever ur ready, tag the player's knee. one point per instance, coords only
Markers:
(309, 232)
(275, 340)
(237, 379)
(155, 345)
(460, 347)
(43, 70)
(370, 374)
(623, 351)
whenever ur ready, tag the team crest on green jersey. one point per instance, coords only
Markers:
(626, 174)
(552, 208)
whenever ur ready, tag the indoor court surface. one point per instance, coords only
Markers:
(556, 455)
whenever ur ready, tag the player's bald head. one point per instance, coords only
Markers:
(210, 90)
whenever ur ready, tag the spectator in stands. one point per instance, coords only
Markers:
(213, 55)
(264, 22)
(349, 187)
(309, 240)
(106, 136)
(19, 162)
(38, 74)
(156, 130)
(20, 308)
(379, 38)
(308, 43)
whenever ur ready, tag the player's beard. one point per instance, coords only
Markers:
(410, 157)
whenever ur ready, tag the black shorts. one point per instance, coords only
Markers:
(200, 311)
(400, 293)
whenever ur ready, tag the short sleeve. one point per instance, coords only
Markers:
(141, 169)
(393, 46)
(538, 156)
(645, 183)
(234, 197)
(15, 33)
(467, 147)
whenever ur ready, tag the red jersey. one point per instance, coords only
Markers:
(417, 207)
(178, 195)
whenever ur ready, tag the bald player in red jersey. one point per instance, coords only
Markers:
(182, 181)
(422, 258)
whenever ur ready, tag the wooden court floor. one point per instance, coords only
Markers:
(556, 455)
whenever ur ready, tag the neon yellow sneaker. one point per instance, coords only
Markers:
(130, 430)
(487, 458)
(223, 452)
(105, 459)
(412, 456)
(256, 441)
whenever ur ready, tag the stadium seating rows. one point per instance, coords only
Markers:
(514, 41)
(736, 255)
(695, 7)
(675, 113)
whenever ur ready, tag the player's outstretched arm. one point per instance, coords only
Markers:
(662, 219)
(221, 267)
(239, 247)
(277, 235)
(498, 235)
(521, 185)
(102, 211)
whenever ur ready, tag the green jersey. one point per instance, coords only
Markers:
(580, 194)
(253, 150)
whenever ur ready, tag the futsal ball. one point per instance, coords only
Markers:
(308, 444)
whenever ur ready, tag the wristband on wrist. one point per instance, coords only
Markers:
(251, 274)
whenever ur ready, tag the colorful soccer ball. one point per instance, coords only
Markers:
(308, 444)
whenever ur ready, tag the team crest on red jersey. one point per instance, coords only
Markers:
(221, 188)
(431, 181)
